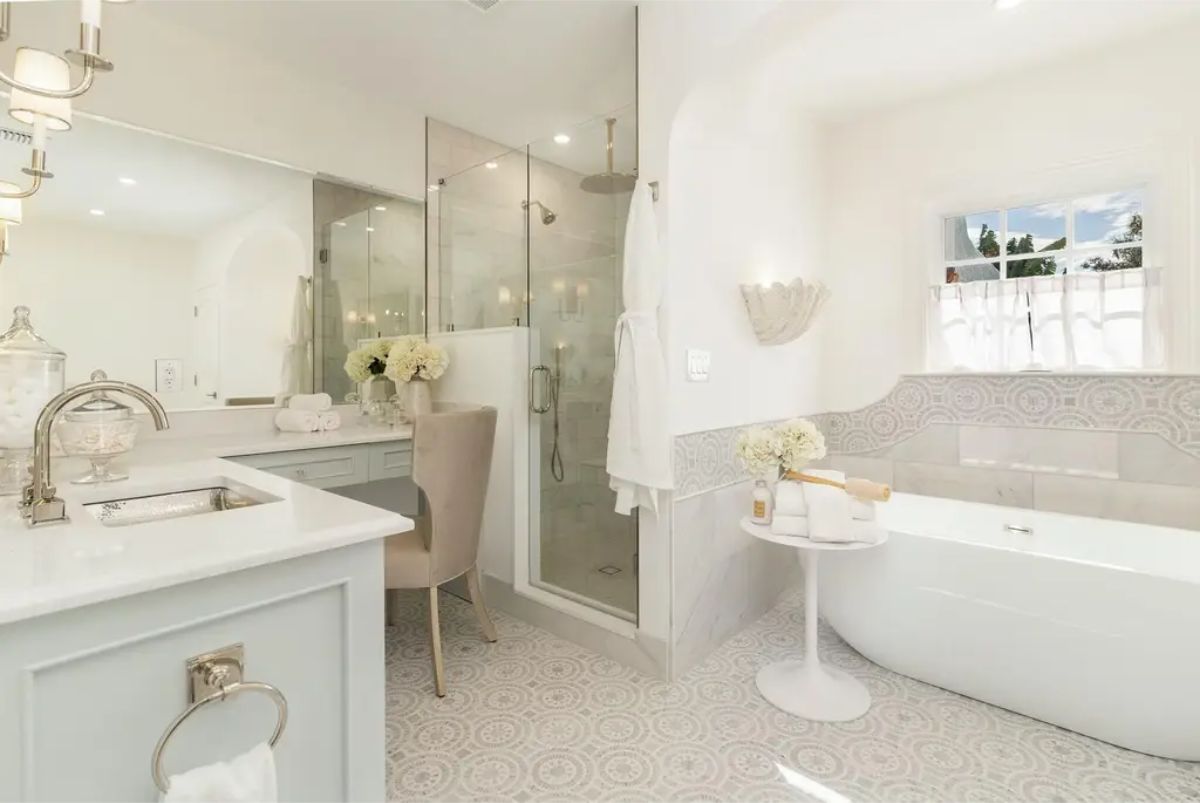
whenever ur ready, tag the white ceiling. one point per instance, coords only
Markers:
(182, 190)
(515, 74)
(856, 56)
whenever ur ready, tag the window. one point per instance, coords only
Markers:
(1095, 233)
(1060, 286)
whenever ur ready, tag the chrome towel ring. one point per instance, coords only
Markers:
(222, 671)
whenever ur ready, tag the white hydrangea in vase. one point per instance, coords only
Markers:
(413, 364)
(367, 365)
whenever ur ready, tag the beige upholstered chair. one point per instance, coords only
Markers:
(452, 457)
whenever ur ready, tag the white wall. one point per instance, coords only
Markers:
(487, 367)
(94, 292)
(1100, 121)
(253, 261)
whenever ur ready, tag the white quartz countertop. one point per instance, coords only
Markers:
(165, 447)
(61, 566)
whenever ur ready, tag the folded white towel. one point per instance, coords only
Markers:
(297, 421)
(248, 778)
(329, 420)
(789, 525)
(789, 498)
(828, 508)
(316, 402)
(862, 509)
(863, 532)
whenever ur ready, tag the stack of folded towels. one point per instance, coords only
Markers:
(308, 412)
(824, 513)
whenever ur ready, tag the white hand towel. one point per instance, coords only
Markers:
(249, 778)
(862, 509)
(863, 532)
(828, 508)
(316, 402)
(297, 421)
(789, 525)
(789, 498)
(329, 420)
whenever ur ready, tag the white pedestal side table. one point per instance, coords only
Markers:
(808, 688)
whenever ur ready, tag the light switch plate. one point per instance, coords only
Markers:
(698, 361)
(168, 376)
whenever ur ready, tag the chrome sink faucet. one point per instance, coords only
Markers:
(39, 501)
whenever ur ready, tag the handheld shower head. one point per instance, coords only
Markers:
(547, 215)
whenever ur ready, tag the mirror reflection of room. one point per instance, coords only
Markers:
(178, 267)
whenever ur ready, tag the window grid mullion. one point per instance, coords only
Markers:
(1003, 241)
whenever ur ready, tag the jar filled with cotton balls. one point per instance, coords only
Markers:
(100, 429)
(31, 374)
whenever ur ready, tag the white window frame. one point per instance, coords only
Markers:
(1069, 253)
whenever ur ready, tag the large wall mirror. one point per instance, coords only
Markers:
(190, 270)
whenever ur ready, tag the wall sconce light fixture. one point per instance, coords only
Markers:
(781, 313)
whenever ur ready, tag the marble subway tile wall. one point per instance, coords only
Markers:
(1121, 447)
(724, 578)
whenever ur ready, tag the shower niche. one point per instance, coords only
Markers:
(533, 237)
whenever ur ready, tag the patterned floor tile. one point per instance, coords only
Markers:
(533, 717)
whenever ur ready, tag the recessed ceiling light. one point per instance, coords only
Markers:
(339, 223)
(370, 228)
(432, 188)
(97, 212)
(381, 209)
(490, 165)
(1005, 5)
(128, 182)
(562, 139)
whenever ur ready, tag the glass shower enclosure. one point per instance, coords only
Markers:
(524, 239)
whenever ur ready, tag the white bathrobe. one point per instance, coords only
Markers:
(295, 375)
(639, 443)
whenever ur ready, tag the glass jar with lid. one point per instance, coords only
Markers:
(100, 429)
(31, 374)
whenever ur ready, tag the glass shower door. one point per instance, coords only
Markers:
(579, 547)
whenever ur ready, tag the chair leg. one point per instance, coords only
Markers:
(389, 606)
(473, 588)
(435, 633)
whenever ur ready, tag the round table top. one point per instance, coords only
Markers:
(763, 531)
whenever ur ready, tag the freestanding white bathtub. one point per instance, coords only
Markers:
(1089, 624)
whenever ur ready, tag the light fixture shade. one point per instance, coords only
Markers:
(46, 71)
(10, 208)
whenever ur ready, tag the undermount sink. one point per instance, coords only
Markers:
(173, 505)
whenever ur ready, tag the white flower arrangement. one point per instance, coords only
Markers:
(367, 361)
(758, 450)
(413, 358)
(789, 446)
(800, 443)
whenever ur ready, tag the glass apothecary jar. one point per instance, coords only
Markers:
(100, 429)
(31, 374)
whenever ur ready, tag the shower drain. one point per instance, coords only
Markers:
(609, 570)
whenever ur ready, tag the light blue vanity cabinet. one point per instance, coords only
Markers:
(85, 693)
(379, 474)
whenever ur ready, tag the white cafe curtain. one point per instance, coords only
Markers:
(1075, 322)
(639, 442)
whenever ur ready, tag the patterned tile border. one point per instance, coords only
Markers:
(1166, 405)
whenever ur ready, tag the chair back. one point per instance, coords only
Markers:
(452, 459)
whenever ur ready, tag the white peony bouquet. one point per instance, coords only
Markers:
(789, 446)
(367, 361)
(413, 358)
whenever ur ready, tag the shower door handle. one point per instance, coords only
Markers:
(543, 371)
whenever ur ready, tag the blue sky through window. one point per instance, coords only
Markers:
(1100, 219)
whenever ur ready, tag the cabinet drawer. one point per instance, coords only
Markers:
(389, 460)
(321, 468)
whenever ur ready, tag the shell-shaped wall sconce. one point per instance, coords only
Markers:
(782, 312)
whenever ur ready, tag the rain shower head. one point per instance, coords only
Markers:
(548, 216)
(609, 182)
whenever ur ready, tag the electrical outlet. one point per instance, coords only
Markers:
(698, 361)
(168, 376)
